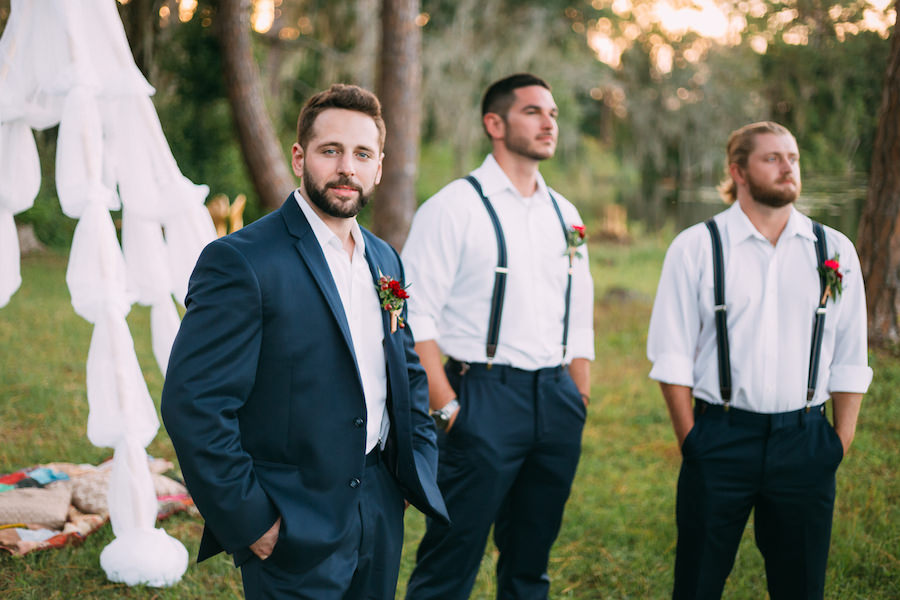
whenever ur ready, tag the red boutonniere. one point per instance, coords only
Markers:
(830, 270)
(392, 296)
(575, 237)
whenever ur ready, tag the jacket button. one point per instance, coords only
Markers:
(358, 422)
(354, 483)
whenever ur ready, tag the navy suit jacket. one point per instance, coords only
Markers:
(264, 403)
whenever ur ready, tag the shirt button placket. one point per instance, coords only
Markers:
(771, 326)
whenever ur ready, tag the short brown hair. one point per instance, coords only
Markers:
(500, 95)
(339, 95)
(741, 143)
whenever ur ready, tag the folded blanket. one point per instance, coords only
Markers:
(52, 505)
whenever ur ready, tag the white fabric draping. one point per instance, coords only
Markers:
(156, 199)
(69, 63)
(20, 180)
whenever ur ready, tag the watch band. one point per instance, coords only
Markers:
(443, 415)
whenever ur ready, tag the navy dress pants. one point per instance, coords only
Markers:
(509, 460)
(781, 466)
(366, 567)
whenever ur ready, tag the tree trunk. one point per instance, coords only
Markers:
(399, 86)
(139, 18)
(259, 144)
(879, 227)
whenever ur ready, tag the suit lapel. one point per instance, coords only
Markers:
(311, 252)
(375, 266)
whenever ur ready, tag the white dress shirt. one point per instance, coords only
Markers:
(771, 294)
(450, 256)
(362, 308)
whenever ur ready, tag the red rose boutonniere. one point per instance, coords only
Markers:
(575, 237)
(392, 296)
(830, 270)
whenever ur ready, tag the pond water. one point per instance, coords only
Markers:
(836, 202)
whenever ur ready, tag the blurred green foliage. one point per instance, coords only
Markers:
(628, 131)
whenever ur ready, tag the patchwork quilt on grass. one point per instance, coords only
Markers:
(49, 506)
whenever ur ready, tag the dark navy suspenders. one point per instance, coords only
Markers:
(501, 270)
(819, 323)
(721, 315)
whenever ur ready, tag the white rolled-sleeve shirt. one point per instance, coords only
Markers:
(450, 256)
(361, 305)
(771, 295)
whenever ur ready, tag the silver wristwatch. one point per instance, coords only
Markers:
(443, 415)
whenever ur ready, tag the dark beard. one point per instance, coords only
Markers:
(333, 208)
(771, 197)
(519, 145)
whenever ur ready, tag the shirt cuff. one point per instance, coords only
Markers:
(580, 343)
(423, 327)
(850, 378)
(675, 369)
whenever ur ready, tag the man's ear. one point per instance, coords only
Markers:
(297, 159)
(379, 172)
(737, 173)
(494, 125)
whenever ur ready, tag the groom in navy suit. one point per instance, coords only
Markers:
(297, 408)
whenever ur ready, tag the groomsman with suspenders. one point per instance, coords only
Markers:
(515, 319)
(759, 319)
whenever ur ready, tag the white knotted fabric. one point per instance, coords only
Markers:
(69, 63)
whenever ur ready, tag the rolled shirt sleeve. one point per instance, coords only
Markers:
(675, 320)
(849, 365)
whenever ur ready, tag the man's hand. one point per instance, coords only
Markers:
(263, 546)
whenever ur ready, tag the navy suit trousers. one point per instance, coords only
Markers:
(509, 460)
(780, 466)
(365, 568)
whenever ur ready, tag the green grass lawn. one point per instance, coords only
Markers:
(618, 537)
